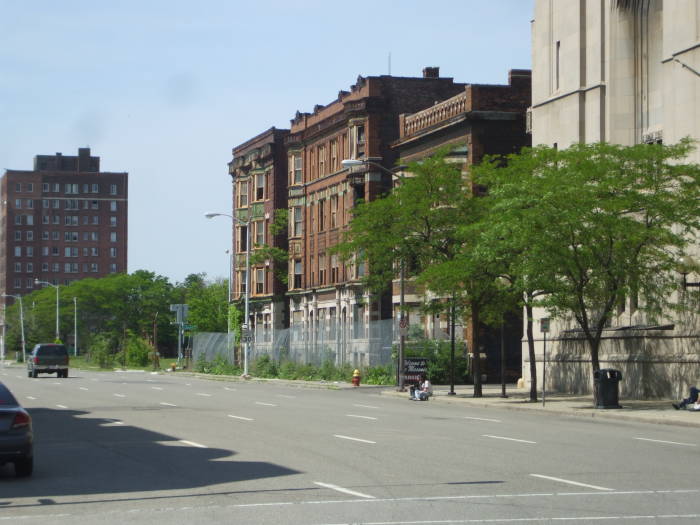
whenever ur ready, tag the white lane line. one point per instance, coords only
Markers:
(203, 394)
(83, 388)
(192, 443)
(61, 406)
(156, 388)
(483, 419)
(343, 490)
(167, 404)
(355, 439)
(365, 406)
(55, 383)
(361, 417)
(668, 442)
(265, 404)
(31, 397)
(286, 397)
(188, 384)
(119, 395)
(560, 480)
(229, 389)
(509, 439)
(241, 417)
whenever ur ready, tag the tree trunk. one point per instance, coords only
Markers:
(476, 368)
(531, 353)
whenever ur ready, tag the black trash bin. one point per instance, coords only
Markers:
(606, 382)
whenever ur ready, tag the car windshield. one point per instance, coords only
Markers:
(6, 397)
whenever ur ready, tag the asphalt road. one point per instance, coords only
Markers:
(143, 448)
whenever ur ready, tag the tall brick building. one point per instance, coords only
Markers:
(330, 311)
(60, 222)
(481, 120)
(259, 175)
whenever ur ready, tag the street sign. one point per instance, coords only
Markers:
(246, 336)
(544, 325)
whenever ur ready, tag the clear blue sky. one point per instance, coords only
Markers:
(164, 89)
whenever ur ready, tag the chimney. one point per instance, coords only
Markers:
(431, 72)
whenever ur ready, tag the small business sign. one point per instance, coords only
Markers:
(413, 367)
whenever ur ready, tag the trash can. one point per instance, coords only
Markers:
(606, 383)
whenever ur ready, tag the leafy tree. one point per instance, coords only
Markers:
(597, 223)
(207, 301)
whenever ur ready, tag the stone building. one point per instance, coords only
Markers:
(259, 176)
(332, 315)
(625, 72)
(62, 221)
(480, 120)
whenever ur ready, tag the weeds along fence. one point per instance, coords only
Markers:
(360, 345)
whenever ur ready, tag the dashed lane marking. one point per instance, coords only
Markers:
(483, 419)
(265, 404)
(119, 395)
(156, 388)
(167, 404)
(203, 394)
(61, 406)
(355, 439)
(361, 417)
(192, 443)
(343, 490)
(31, 397)
(83, 388)
(365, 406)
(568, 481)
(510, 439)
(668, 442)
(286, 397)
(241, 417)
(229, 389)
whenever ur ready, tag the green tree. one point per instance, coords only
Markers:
(597, 223)
(207, 301)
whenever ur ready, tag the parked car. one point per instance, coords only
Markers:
(16, 436)
(48, 358)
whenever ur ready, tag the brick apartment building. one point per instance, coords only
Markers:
(259, 176)
(332, 316)
(481, 120)
(60, 222)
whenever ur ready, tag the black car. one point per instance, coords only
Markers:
(48, 358)
(16, 436)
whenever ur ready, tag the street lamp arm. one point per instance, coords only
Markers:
(352, 163)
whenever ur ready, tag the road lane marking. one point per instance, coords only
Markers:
(30, 397)
(229, 389)
(119, 395)
(265, 404)
(167, 404)
(203, 394)
(83, 388)
(483, 419)
(61, 406)
(355, 439)
(241, 417)
(55, 383)
(668, 442)
(156, 388)
(362, 417)
(192, 443)
(596, 487)
(286, 397)
(365, 406)
(509, 439)
(343, 490)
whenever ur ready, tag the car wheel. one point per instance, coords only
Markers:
(24, 467)
(64, 374)
(29, 373)
(34, 374)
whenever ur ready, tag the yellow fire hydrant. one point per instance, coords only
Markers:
(356, 378)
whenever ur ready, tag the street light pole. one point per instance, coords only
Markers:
(247, 277)
(75, 326)
(351, 163)
(37, 281)
(21, 323)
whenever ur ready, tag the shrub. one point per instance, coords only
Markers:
(379, 375)
(101, 352)
(264, 366)
(221, 366)
(137, 350)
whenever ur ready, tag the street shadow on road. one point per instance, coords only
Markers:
(79, 455)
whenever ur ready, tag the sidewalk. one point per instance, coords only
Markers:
(649, 411)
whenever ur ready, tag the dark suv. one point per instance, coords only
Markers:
(47, 358)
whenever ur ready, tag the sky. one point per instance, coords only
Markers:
(164, 89)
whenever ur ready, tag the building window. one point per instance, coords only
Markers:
(30, 186)
(96, 188)
(259, 233)
(95, 219)
(556, 64)
(30, 267)
(30, 235)
(335, 277)
(112, 205)
(71, 220)
(30, 220)
(295, 175)
(358, 142)
(30, 204)
(45, 251)
(56, 204)
(112, 236)
(45, 203)
(18, 204)
(18, 251)
(30, 251)
(18, 235)
(86, 188)
(45, 187)
(94, 251)
(29, 283)
(243, 194)
(56, 219)
(55, 267)
(18, 220)
(56, 187)
(45, 219)
(55, 235)
(259, 281)
(44, 267)
(321, 161)
(297, 221)
(260, 186)
(242, 238)
(322, 269)
(334, 155)
(18, 267)
(18, 283)
(112, 221)
(44, 235)
(18, 186)
(54, 251)
(71, 251)
(95, 205)
(297, 273)
(112, 252)
(72, 189)
(334, 211)
(321, 215)
(94, 267)
(112, 189)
